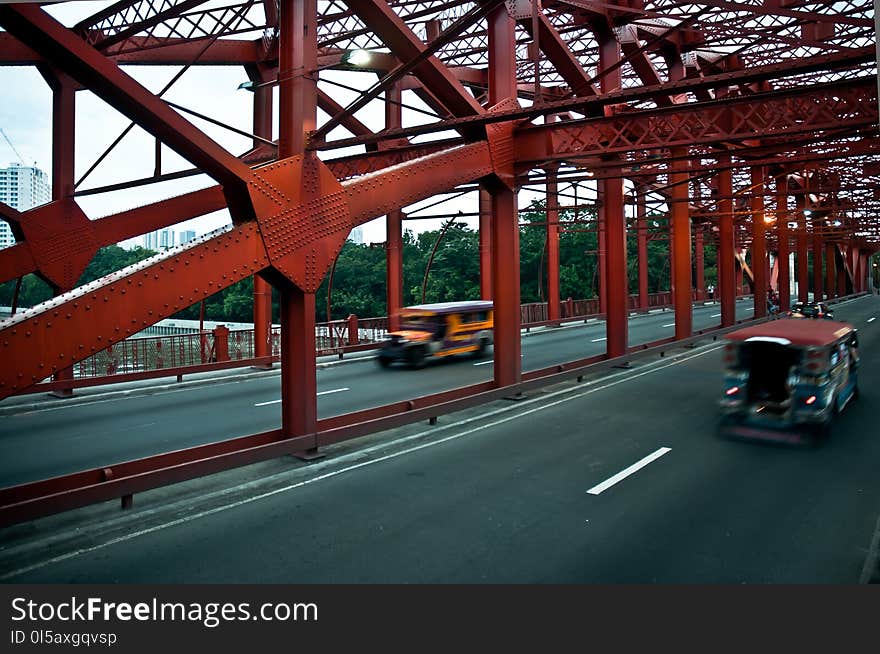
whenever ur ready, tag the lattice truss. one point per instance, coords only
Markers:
(617, 88)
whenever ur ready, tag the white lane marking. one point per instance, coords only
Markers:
(672, 324)
(619, 378)
(623, 474)
(715, 315)
(335, 390)
(871, 319)
(485, 363)
(596, 340)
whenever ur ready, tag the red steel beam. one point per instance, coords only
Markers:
(393, 228)
(405, 45)
(552, 247)
(725, 256)
(680, 249)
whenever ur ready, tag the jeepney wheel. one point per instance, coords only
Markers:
(482, 346)
(383, 362)
(415, 356)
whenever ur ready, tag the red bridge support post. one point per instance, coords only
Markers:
(680, 245)
(803, 270)
(552, 236)
(830, 270)
(393, 227)
(505, 228)
(297, 118)
(818, 277)
(63, 158)
(783, 247)
(759, 243)
(642, 243)
(725, 259)
(262, 288)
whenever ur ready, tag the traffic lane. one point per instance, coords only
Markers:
(510, 504)
(67, 439)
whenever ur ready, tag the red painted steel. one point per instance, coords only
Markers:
(830, 270)
(759, 242)
(818, 277)
(725, 256)
(803, 280)
(783, 245)
(642, 245)
(552, 245)
(680, 246)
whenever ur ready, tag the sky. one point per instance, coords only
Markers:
(26, 117)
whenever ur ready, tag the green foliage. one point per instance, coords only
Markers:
(358, 279)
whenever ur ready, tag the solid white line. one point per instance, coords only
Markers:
(672, 324)
(871, 319)
(335, 390)
(623, 474)
(596, 340)
(619, 378)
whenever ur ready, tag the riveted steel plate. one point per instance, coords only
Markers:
(62, 241)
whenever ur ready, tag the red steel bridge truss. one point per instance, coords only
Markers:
(753, 123)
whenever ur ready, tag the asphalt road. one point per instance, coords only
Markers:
(57, 440)
(532, 492)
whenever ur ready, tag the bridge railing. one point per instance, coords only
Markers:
(184, 354)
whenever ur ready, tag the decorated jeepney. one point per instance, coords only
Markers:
(443, 329)
(786, 380)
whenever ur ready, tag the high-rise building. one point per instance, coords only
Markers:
(357, 235)
(163, 239)
(22, 188)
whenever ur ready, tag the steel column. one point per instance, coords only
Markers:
(63, 161)
(262, 289)
(725, 257)
(759, 243)
(485, 208)
(803, 271)
(830, 270)
(393, 227)
(840, 266)
(818, 278)
(642, 243)
(505, 227)
(783, 248)
(680, 245)
(297, 117)
(552, 239)
(699, 263)
(615, 272)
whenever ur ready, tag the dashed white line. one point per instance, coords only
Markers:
(623, 474)
(335, 390)
(672, 324)
(485, 363)
(871, 319)
(596, 340)
(715, 315)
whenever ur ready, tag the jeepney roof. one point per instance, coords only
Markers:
(800, 332)
(449, 307)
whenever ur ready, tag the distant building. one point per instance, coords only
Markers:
(22, 188)
(164, 239)
(357, 235)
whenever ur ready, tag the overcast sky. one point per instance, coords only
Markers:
(26, 117)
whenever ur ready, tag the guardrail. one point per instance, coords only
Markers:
(176, 355)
